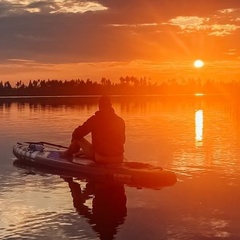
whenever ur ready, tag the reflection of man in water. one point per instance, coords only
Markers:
(108, 205)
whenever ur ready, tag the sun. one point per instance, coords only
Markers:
(198, 63)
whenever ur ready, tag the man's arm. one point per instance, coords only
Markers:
(83, 130)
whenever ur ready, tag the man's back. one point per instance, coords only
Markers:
(108, 133)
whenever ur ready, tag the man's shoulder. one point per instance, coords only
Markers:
(107, 115)
(120, 119)
(90, 119)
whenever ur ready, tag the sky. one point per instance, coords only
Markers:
(156, 39)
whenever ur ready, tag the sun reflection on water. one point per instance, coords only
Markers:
(199, 128)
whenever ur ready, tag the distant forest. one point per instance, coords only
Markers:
(125, 86)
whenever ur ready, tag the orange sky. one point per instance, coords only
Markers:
(157, 39)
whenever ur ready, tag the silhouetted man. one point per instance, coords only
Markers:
(108, 135)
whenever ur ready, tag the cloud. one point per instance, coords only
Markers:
(72, 31)
(16, 7)
(66, 6)
(222, 30)
(189, 23)
(227, 10)
(195, 23)
(231, 52)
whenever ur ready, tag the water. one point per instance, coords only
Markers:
(198, 137)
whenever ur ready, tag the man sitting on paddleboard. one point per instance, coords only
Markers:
(108, 135)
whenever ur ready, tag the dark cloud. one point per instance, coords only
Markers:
(43, 6)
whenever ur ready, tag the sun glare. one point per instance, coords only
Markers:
(198, 63)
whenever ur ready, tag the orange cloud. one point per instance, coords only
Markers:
(194, 23)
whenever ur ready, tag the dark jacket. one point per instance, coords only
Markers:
(108, 132)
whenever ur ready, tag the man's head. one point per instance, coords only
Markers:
(104, 102)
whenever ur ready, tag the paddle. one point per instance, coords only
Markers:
(47, 143)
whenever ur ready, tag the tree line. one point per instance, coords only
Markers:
(126, 86)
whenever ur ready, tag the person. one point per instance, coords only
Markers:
(108, 135)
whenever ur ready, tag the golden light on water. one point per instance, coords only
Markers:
(199, 94)
(199, 127)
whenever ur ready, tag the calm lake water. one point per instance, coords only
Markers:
(198, 137)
